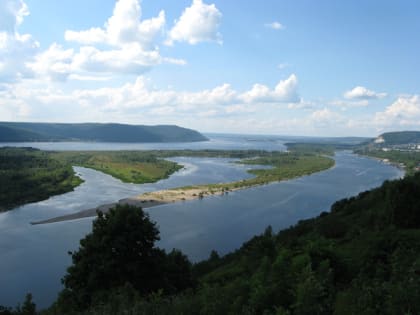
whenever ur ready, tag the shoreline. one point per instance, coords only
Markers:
(187, 193)
(163, 197)
(146, 200)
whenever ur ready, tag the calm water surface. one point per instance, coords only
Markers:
(34, 258)
(216, 142)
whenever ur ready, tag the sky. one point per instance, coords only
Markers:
(285, 67)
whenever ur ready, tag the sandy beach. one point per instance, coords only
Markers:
(146, 200)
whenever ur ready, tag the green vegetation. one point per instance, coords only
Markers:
(361, 258)
(149, 166)
(29, 175)
(129, 166)
(19, 131)
(401, 137)
(410, 159)
(285, 165)
(120, 253)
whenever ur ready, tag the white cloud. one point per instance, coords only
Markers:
(362, 93)
(404, 112)
(198, 23)
(138, 98)
(123, 27)
(125, 45)
(15, 48)
(275, 25)
(284, 92)
(12, 13)
(54, 63)
(346, 104)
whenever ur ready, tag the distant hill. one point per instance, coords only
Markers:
(28, 132)
(400, 137)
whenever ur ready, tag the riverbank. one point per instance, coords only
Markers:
(146, 200)
(285, 167)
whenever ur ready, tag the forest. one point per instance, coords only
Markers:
(29, 175)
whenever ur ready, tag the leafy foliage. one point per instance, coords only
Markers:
(120, 253)
(29, 175)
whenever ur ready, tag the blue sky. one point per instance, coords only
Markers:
(324, 68)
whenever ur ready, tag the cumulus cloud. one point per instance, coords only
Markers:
(15, 48)
(137, 98)
(125, 45)
(198, 23)
(404, 112)
(285, 91)
(123, 27)
(362, 93)
(275, 25)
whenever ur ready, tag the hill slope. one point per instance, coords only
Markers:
(361, 258)
(400, 137)
(18, 132)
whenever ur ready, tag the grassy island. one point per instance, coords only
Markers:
(29, 175)
(285, 165)
(137, 167)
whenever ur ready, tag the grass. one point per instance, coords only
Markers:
(284, 166)
(149, 166)
(129, 166)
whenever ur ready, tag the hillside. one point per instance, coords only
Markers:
(360, 258)
(28, 132)
(398, 138)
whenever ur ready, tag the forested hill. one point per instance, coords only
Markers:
(400, 137)
(19, 131)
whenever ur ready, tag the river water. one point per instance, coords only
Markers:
(34, 258)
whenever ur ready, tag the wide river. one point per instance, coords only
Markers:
(34, 258)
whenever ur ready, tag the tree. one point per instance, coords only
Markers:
(28, 307)
(120, 251)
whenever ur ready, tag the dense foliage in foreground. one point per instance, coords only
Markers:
(29, 175)
(361, 258)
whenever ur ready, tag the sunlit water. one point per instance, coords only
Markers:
(34, 258)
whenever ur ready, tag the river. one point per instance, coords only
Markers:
(34, 258)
